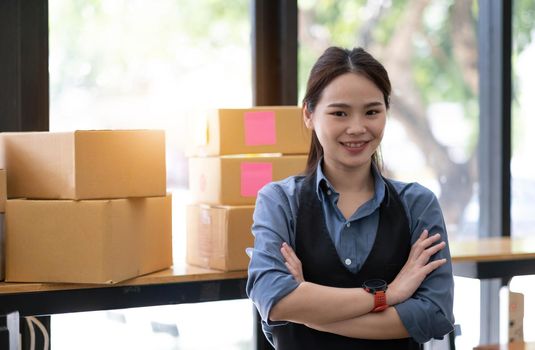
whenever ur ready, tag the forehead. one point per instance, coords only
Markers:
(351, 87)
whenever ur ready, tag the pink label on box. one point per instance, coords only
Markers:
(254, 176)
(260, 128)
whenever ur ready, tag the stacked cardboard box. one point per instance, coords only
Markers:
(85, 206)
(238, 152)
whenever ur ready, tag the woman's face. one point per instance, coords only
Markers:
(349, 121)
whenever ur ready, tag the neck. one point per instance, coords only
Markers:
(350, 180)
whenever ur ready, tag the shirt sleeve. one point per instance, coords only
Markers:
(429, 312)
(268, 278)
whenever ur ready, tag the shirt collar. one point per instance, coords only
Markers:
(323, 184)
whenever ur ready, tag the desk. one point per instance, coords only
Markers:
(484, 258)
(493, 257)
(510, 346)
(185, 284)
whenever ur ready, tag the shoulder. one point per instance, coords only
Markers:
(281, 195)
(411, 192)
(421, 206)
(286, 188)
(276, 208)
(420, 203)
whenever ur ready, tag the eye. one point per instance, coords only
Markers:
(373, 112)
(339, 114)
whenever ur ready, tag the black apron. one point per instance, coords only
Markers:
(321, 265)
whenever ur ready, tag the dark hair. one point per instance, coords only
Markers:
(334, 62)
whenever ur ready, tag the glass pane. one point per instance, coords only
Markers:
(429, 49)
(523, 107)
(132, 64)
(523, 144)
(430, 52)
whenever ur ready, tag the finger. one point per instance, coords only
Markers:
(436, 248)
(433, 265)
(290, 255)
(291, 269)
(424, 235)
(430, 240)
(429, 252)
(296, 273)
(419, 246)
(286, 251)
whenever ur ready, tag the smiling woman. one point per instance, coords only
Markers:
(321, 238)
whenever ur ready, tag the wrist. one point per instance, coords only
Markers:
(377, 288)
(391, 298)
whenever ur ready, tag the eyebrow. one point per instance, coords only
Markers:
(345, 105)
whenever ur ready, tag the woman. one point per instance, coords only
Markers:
(343, 257)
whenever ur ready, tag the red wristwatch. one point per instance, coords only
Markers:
(377, 287)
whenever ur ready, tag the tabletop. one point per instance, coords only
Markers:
(492, 249)
(175, 274)
(510, 346)
(493, 257)
(177, 285)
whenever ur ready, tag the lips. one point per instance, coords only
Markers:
(354, 144)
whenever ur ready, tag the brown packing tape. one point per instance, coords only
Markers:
(205, 235)
(218, 235)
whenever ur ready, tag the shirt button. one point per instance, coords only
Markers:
(348, 262)
(348, 224)
(329, 192)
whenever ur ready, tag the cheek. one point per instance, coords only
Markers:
(322, 135)
(379, 130)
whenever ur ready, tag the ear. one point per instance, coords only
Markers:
(307, 118)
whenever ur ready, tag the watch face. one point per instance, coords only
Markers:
(375, 284)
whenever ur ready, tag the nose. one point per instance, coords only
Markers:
(356, 126)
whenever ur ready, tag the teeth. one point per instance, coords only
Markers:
(354, 144)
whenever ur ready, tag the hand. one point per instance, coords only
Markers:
(292, 262)
(416, 268)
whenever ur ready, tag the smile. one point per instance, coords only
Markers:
(354, 144)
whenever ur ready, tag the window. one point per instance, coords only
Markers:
(131, 64)
(430, 52)
(523, 111)
(523, 144)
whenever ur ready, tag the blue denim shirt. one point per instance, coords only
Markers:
(427, 314)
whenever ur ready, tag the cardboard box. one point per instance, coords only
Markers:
(236, 180)
(218, 235)
(2, 249)
(89, 241)
(84, 164)
(3, 190)
(516, 317)
(511, 316)
(250, 131)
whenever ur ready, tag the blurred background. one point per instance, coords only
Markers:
(130, 64)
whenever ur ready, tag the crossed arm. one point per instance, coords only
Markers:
(347, 311)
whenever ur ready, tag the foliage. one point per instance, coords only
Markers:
(523, 25)
(96, 43)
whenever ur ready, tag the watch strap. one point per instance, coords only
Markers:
(379, 298)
